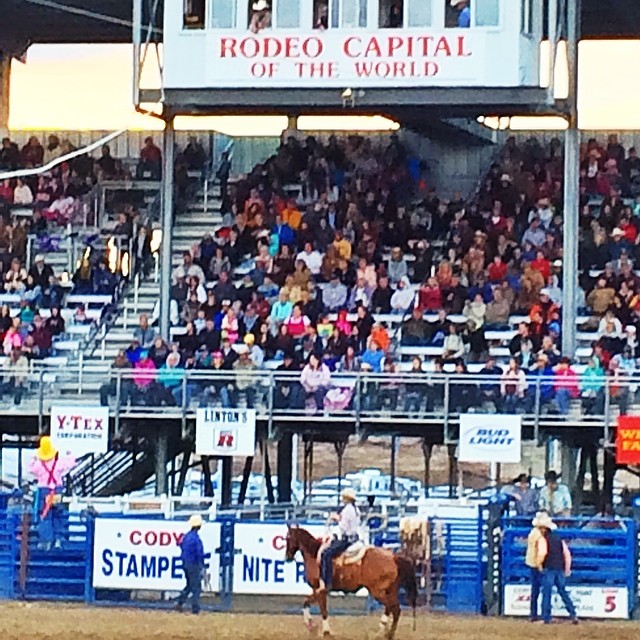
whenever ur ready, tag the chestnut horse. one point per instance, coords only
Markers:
(379, 571)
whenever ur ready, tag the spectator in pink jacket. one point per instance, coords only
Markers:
(565, 383)
(315, 379)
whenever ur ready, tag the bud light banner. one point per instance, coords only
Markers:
(225, 432)
(145, 554)
(490, 438)
(80, 430)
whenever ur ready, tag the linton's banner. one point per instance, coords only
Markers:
(344, 59)
(490, 438)
(79, 429)
(226, 432)
(145, 554)
(628, 440)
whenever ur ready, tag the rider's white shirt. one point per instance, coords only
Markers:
(349, 521)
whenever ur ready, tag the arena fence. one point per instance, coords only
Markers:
(603, 581)
(133, 559)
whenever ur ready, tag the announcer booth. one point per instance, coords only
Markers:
(367, 55)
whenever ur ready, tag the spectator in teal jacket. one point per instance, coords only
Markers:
(170, 377)
(592, 388)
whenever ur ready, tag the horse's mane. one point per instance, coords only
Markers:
(311, 543)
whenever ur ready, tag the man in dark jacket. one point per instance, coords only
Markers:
(554, 560)
(192, 565)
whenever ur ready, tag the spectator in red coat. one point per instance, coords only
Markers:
(150, 165)
(430, 296)
(497, 270)
(541, 265)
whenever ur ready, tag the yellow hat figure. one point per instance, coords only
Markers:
(195, 521)
(46, 451)
(348, 495)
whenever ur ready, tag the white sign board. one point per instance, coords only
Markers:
(490, 438)
(260, 566)
(79, 429)
(225, 432)
(145, 554)
(590, 602)
(341, 59)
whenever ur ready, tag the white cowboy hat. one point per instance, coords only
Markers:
(261, 5)
(348, 495)
(544, 520)
(195, 521)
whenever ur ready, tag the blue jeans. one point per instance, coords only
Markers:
(51, 527)
(337, 546)
(563, 398)
(551, 578)
(536, 584)
(510, 403)
(193, 575)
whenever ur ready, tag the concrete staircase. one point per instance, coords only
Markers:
(188, 230)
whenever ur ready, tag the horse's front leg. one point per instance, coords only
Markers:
(306, 612)
(321, 599)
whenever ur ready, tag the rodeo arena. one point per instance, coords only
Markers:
(367, 382)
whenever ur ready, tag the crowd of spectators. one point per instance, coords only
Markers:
(324, 243)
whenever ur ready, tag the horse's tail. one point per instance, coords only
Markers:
(408, 581)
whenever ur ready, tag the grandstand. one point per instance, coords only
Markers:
(333, 288)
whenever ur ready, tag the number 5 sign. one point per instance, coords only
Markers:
(590, 602)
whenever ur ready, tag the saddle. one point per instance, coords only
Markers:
(352, 555)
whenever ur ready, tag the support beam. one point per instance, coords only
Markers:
(227, 472)
(5, 93)
(167, 229)
(427, 452)
(393, 466)
(162, 445)
(285, 467)
(340, 448)
(244, 484)
(571, 188)
(207, 484)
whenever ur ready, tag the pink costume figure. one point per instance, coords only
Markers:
(49, 468)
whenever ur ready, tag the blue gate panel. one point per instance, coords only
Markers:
(604, 554)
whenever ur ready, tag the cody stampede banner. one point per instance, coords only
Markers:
(145, 554)
(490, 438)
(226, 432)
(80, 430)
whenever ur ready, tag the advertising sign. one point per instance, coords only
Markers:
(343, 58)
(225, 432)
(590, 602)
(80, 430)
(260, 566)
(490, 438)
(628, 440)
(145, 554)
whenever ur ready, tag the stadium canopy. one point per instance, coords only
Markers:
(109, 21)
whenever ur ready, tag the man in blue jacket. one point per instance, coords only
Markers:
(192, 564)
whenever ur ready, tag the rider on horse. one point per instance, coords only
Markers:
(348, 520)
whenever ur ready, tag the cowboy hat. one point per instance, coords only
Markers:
(195, 521)
(46, 451)
(261, 5)
(543, 520)
(348, 495)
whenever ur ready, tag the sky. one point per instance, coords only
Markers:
(42, 97)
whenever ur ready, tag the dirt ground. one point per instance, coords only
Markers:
(22, 621)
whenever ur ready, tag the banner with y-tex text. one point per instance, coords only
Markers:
(80, 430)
